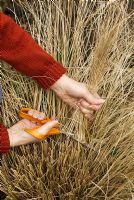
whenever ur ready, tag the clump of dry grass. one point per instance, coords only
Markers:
(95, 42)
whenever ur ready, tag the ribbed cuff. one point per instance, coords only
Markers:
(4, 139)
(51, 75)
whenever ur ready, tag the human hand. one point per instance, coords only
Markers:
(18, 136)
(76, 95)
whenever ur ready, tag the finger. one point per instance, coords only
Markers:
(27, 123)
(33, 113)
(85, 111)
(95, 107)
(89, 117)
(47, 127)
(42, 116)
(37, 114)
(30, 112)
(93, 99)
(84, 104)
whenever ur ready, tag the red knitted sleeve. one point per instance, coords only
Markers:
(4, 140)
(19, 50)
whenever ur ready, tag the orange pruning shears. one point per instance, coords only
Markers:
(23, 113)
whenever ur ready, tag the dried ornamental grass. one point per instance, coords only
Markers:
(95, 42)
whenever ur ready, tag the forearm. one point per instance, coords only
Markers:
(19, 49)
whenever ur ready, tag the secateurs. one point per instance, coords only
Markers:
(23, 113)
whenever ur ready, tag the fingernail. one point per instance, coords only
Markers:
(41, 118)
(102, 100)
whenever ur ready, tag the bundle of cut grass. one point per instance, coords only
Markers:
(95, 42)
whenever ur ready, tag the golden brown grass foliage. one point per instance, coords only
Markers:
(95, 42)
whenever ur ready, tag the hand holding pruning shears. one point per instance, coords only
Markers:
(34, 126)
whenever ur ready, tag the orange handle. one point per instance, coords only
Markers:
(33, 131)
(23, 113)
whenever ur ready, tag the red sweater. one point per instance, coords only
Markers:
(19, 50)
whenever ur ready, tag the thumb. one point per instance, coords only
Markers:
(93, 99)
(47, 127)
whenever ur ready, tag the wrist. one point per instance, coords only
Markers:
(15, 138)
(11, 140)
(61, 83)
